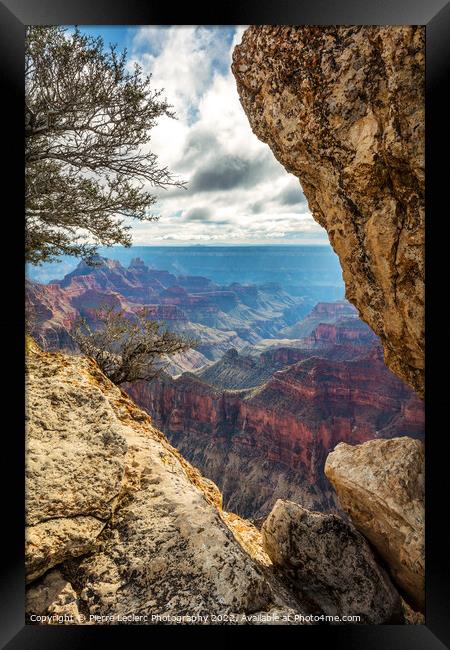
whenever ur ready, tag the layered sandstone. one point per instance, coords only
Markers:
(323, 312)
(278, 434)
(218, 317)
(380, 484)
(352, 331)
(342, 108)
(235, 370)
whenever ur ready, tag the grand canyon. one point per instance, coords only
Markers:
(275, 382)
(272, 472)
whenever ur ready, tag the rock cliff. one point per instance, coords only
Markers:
(323, 312)
(278, 433)
(118, 523)
(342, 108)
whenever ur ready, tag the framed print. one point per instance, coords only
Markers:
(228, 226)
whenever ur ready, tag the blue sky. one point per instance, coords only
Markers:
(120, 34)
(237, 191)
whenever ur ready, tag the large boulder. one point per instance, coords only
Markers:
(327, 561)
(342, 108)
(380, 484)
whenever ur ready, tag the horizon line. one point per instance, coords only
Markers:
(215, 244)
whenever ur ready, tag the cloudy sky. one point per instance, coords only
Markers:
(237, 192)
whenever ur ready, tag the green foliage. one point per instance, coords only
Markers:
(87, 123)
(127, 350)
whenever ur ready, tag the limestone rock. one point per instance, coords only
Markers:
(248, 536)
(50, 542)
(411, 616)
(74, 465)
(329, 562)
(380, 484)
(118, 508)
(342, 108)
(53, 599)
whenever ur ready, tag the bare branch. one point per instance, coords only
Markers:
(127, 350)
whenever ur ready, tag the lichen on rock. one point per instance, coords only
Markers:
(326, 560)
(342, 108)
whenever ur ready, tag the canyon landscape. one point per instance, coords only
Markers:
(271, 472)
(271, 388)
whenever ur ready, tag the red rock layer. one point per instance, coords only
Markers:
(247, 312)
(286, 427)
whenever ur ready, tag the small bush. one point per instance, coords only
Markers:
(127, 349)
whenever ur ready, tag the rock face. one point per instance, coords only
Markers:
(235, 371)
(381, 486)
(323, 312)
(326, 560)
(131, 526)
(279, 433)
(342, 108)
(351, 331)
(54, 601)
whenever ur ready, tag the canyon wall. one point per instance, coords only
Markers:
(323, 312)
(220, 317)
(278, 433)
(342, 108)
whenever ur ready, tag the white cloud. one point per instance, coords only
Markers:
(237, 191)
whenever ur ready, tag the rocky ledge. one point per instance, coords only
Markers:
(342, 108)
(122, 529)
(118, 523)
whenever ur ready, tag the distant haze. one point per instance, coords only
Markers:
(293, 267)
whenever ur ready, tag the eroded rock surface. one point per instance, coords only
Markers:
(73, 434)
(342, 108)
(135, 527)
(328, 561)
(52, 601)
(381, 486)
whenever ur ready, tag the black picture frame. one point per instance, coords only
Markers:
(435, 15)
